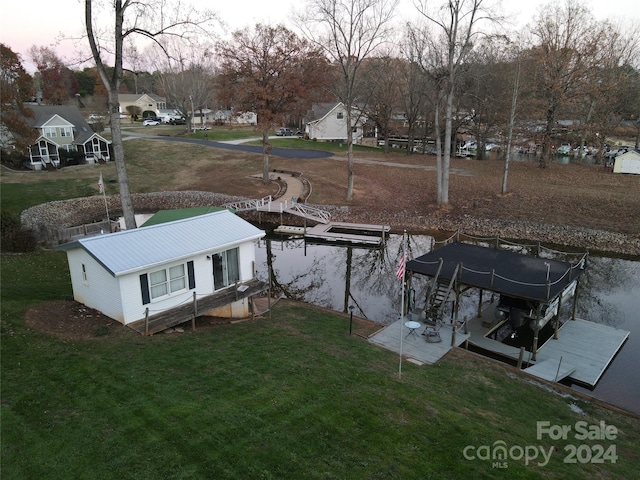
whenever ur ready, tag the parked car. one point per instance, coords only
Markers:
(150, 123)
(178, 121)
(284, 132)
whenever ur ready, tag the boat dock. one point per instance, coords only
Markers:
(348, 233)
(415, 347)
(582, 351)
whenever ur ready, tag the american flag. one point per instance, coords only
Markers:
(400, 270)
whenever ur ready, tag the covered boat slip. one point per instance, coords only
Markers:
(530, 291)
(499, 271)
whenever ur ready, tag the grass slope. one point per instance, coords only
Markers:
(293, 396)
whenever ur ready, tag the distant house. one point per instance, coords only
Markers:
(64, 133)
(628, 162)
(150, 105)
(206, 116)
(149, 271)
(328, 122)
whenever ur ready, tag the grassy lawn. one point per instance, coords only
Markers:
(291, 396)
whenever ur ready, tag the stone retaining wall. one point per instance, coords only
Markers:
(49, 217)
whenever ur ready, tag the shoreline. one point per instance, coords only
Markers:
(49, 217)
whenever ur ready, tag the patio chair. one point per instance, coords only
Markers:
(432, 332)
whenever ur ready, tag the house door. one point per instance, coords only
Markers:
(225, 268)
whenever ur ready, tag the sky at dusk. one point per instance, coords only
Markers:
(41, 23)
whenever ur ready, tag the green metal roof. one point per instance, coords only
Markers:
(164, 216)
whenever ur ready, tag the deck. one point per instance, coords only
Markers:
(415, 348)
(188, 312)
(349, 233)
(582, 351)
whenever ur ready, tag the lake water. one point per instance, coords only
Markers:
(337, 277)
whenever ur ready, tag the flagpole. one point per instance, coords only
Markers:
(403, 260)
(104, 196)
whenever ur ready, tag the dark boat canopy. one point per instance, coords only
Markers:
(501, 271)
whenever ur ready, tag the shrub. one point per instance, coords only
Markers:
(14, 237)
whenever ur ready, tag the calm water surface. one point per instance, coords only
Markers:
(337, 277)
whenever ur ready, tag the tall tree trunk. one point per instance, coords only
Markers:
(112, 86)
(266, 148)
(512, 119)
(349, 154)
(121, 166)
(446, 160)
(436, 126)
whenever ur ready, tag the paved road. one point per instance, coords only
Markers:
(238, 145)
(278, 152)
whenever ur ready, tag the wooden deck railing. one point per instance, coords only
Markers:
(199, 306)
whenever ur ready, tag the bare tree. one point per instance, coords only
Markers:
(384, 81)
(457, 22)
(348, 31)
(151, 20)
(568, 38)
(186, 77)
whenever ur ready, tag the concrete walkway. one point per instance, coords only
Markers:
(295, 187)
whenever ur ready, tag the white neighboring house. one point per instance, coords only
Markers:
(163, 266)
(628, 162)
(328, 122)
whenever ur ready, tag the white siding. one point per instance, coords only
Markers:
(133, 308)
(101, 290)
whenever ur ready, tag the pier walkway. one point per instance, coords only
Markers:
(287, 203)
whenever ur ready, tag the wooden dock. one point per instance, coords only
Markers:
(589, 346)
(349, 233)
(582, 351)
(415, 347)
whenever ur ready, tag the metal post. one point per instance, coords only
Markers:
(195, 312)
(520, 357)
(351, 307)
(146, 321)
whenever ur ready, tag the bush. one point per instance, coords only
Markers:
(13, 159)
(14, 237)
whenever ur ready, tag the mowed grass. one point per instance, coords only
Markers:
(286, 397)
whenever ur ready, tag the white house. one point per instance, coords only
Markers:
(328, 122)
(133, 274)
(628, 162)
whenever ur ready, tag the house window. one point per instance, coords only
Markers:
(340, 115)
(84, 274)
(65, 132)
(225, 268)
(167, 281)
(49, 132)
